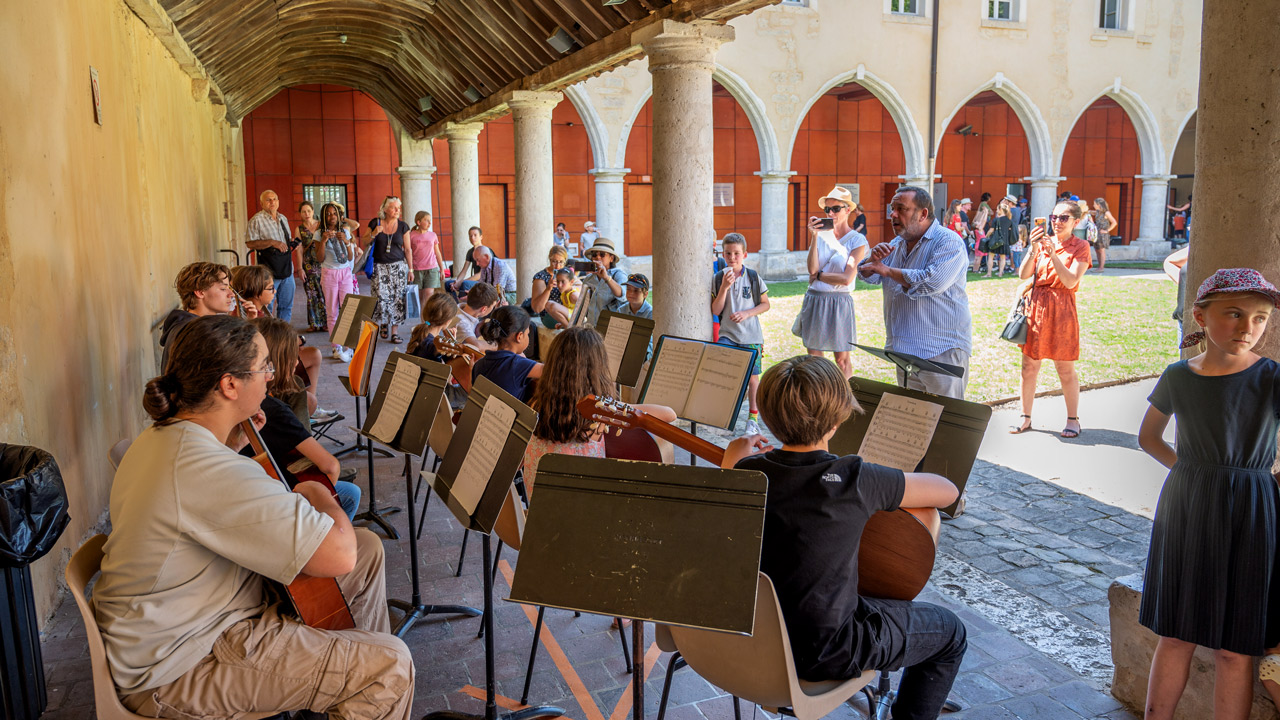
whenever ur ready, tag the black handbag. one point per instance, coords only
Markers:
(1015, 330)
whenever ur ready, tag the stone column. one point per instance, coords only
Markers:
(775, 259)
(681, 60)
(1155, 196)
(1236, 187)
(535, 202)
(464, 183)
(611, 184)
(415, 189)
(1044, 195)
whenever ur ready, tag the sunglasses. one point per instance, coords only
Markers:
(835, 208)
(1060, 218)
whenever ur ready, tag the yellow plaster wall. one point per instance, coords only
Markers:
(95, 221)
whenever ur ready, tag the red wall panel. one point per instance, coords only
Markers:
(1103, 150)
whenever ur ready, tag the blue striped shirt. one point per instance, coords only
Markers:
(931, 314)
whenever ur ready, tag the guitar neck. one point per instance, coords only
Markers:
(713, 454)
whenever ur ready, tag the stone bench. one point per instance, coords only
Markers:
(1132, 646)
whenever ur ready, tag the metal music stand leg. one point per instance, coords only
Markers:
(414, 610)
(880, 700)
(490, 692)
(637, 668)
(374, 514)
(693, 430)
(360, 444)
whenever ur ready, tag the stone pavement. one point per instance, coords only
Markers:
(1027, 567)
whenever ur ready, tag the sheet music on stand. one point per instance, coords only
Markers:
(484, 454)
(952, 447)
(406, 402)
(695, 532)
(346, 331)
(626, 342)
(703, 382)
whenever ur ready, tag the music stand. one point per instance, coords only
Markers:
(355, 312)
(741, 382)
(359, 389)
(699, 531)
(910, 364)
(410, 438)
(637, 345)
(482, 516)
(956, 439)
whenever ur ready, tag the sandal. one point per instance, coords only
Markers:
(395, 340)
(1269, 668)
(1069, 433)
(382, 332)
(1022, 428)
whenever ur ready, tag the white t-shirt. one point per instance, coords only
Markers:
(195, 527)
(466, 325)
(835, 255)
(330, 261)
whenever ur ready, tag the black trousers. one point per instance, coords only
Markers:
(928, 640)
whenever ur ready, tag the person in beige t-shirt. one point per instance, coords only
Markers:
(188, 627)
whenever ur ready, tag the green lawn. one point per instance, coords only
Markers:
(1125, 331)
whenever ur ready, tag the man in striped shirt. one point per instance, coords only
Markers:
(926, 308)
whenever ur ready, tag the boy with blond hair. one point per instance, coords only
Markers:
(741, 296)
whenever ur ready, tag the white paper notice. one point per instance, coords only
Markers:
(615, 343)
(345, 320)
(672, 376)
(900, 432)
(404, 385)
(717, 388)
(486, 446)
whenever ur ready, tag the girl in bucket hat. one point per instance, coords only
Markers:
(1211, 564)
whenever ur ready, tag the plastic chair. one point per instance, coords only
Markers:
(117, 451)
(83, 566)
(759, 668)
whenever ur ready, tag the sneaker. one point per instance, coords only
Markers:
(347, 354)
(337, 352)
(322, 414)
(753, 427)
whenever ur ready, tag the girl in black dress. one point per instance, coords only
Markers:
(1211, 566)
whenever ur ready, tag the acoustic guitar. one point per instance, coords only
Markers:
(447, 344)
(317, 601)
(897, 550)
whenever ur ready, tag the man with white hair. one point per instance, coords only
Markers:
(494, 271)
(269, 237)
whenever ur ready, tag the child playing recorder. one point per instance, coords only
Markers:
(815, 511)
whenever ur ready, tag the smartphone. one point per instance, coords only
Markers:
(584, 266)
(1042, 223)
(825, 223)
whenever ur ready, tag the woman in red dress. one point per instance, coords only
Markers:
(1052, 268)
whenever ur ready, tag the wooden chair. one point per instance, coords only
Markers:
(759, 667)
(83, 566)
(117, 451)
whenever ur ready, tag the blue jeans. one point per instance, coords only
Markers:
(284, 299)
(348, 497)
(1017, 258)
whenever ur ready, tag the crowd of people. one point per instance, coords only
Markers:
(191, 630)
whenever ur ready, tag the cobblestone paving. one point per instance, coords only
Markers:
(1027, 567)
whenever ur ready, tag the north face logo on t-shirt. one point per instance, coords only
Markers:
(832, 477)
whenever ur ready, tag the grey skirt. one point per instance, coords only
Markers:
(826, 321)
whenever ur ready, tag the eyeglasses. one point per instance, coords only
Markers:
(1060, 218)
(268, 370)
(835, 208)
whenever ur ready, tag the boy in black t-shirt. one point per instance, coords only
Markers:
(815, 512)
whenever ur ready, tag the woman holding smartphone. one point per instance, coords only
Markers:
(1052, 268)
(826, 321)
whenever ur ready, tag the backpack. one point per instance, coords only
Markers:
(752, 278)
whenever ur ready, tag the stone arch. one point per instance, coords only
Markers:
(747, 99)
(1040, 148)
(913, 150)
(1177, 137)
(1153, 158)
(597, 133)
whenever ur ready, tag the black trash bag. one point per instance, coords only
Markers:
(33, 504)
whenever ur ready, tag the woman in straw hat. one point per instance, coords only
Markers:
(826, 321)
(606, 282)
